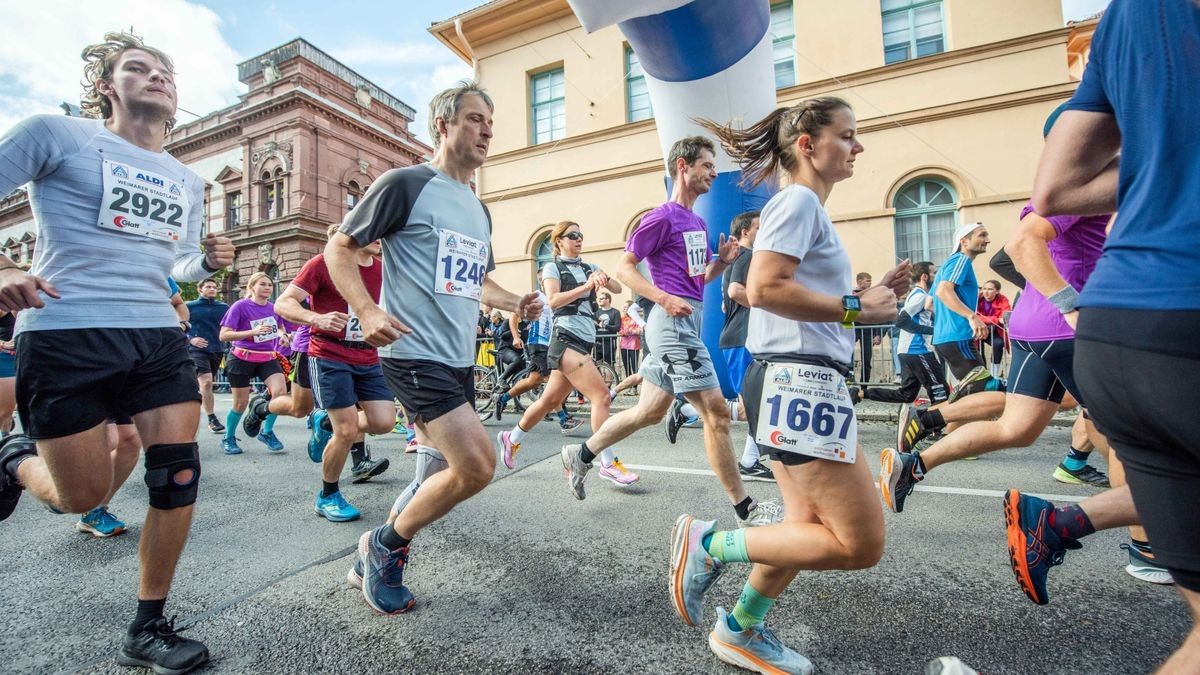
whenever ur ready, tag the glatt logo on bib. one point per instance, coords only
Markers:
(452, 287)
(125, 224)
(778, 439)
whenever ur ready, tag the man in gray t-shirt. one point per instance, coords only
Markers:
(437, 254)
(115, 216)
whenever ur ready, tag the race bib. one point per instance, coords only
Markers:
(697, 252)
(806, 409)
(142, 203)
(354, 330)
(268, 321)
(461, 265)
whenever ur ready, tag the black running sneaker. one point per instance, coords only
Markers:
(1088, 475)
(215, 426)
(256, 413)
(756, 471)
(159, 646)
(16, 445)
(500, 404)
(368, 469)
(899, 473)
(909, 429)
(674, 420)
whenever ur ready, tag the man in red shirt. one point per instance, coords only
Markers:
(347, 380)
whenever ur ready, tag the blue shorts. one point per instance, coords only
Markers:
(8, 365)
(338, 385)
(737, 360)
(1043, 370)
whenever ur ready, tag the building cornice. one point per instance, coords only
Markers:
(495, 20)
(572, 142)
(652, 166)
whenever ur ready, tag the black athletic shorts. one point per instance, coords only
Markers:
(302, 370)
(962, 357)
(428, 389)
(1145, 403)
(69, 381)
(205, 363)
(239, 372)
(1043, 370)
(538, 355)
(752, 385)
(560, 342)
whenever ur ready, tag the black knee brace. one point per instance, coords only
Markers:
(173, 475)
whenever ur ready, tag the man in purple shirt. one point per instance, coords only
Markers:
(674, 243)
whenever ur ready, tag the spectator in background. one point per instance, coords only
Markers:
(991, 308)
(868, 338)
(631, 338)
(608, 323)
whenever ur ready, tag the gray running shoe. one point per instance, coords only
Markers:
(575, 468)
(756, 649)
(973, 383)
(762, 514)
(693, 570)
(368, 469)
(674, 420)
(756, 471)
(1146, 569)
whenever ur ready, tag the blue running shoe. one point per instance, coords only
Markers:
(756, 649)
(274, 445)
(320, 437)
(693, 570)
(230, 446)
(1033, 546)
(335, 508)
(383, 575)
(354, 575)
(100, 523)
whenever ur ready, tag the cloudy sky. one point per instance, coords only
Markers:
(386, 41)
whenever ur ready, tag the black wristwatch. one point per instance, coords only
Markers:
(851, 305)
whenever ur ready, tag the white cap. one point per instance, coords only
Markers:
(965, 231)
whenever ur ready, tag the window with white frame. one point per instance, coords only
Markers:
(549, 119)
(783, 44)
(912, 29)
(926, 216)
(637, 95)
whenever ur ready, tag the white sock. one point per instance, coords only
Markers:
(750, 453)
(688, 410)
(733, 410)
(995, 370)
(607, 457)
(517, 433)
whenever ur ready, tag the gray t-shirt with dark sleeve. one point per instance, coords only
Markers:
(437, 247)
(113, 222)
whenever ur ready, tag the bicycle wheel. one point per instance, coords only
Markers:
(608, 373)
(485, 386)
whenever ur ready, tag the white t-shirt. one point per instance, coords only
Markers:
(795, 224)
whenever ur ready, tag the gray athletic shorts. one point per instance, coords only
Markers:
(678, 361)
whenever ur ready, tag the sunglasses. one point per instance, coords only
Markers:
(574, 236)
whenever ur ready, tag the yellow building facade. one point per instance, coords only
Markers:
(951, 97)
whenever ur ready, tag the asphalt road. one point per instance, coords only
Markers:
(523, 578)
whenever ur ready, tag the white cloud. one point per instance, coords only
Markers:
(402, 54)
(419, 89)
(40, 44)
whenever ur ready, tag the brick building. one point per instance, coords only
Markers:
(291, 157)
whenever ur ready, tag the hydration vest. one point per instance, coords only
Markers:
(569, 282)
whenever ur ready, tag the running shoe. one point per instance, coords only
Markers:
(268, 438)
(508, 449)
(383, 575)
(215, 426)
(909, 429)
(755, 649)
(618, 475)
(159, 646)
(674, 421)
(256, 412)
(612, 394)
(756, 471)
(974, 382)
(499, 404)
(949, 665)
(400, 427)
(855, 394)
(411, 446)
(99, 522)
(1033, 546)
(230, 446)
(693, 422)
(1088, 475)
(762, 514)
(568, 425)
(319, 437)
(11, 448)
(335, 508)
(1145, 569)
(575, 468)
(368, 469)
(693, 570)
(354, 575)
(899, 473)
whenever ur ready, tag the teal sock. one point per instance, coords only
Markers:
(231, 424)
(729, 546)
(268, 424)
(505, 398)
(562, 415)
(1076, 460)
(751, 609)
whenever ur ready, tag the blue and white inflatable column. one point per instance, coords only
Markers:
(703, 59)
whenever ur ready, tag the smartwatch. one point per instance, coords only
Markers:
(851, 305)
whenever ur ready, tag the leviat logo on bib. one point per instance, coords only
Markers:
(806, 409)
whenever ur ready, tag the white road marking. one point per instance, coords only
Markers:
(971, 492)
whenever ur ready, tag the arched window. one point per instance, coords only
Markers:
(926, 215)
(272, 194)
(354, 192)
(542, 254)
